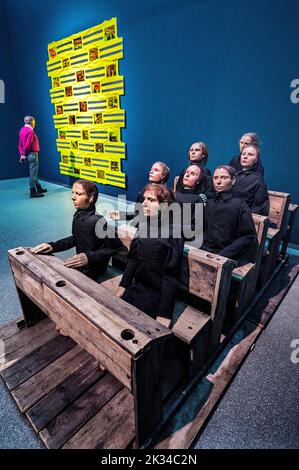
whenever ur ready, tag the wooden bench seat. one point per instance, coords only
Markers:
(292, 210)
(241, 272)
(278, 213)
(246, 276)
(193, 328)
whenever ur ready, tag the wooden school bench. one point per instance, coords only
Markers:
(125, 341)
(278, 214)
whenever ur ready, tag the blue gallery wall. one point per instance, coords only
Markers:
(194, 69)
(9, 107)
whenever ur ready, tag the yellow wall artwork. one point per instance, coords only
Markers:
(86, 89)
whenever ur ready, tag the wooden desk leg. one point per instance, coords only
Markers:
(287, 234)
(270, 261)
(147, 391)
(31, 312)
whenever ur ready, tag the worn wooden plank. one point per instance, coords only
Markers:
(64, 394)
(279, 202)
(30, 275)
(26, 336)
(6, 331)
(111, 428)
(194, 327)
(252, 276)
(241, 271)
(220, 298)
(189, 324)
(259, 222)
(26, 341)
(147, 373)
(290, 222)
(199, 277)
(36, 360)
(245, 277)
(112, 284)
(90, 337)
(108, 315)
(203, 275)
(100, 315)
(40, 384)
(131, 315)
(79, 413)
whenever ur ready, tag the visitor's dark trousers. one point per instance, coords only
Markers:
(32, 159)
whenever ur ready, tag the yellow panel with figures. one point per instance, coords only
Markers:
(85, 90)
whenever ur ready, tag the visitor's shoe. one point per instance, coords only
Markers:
(34, 193)
(39, 189)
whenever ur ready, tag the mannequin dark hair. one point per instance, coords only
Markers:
(90, 188)
(204, 152)
(163, 193)
(166, 171)
(255, 140)
(256, 147)
(230, 170)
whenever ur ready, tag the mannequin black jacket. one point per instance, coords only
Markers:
(229, 229)
(251, 187)
(152, 274)
(85, 240)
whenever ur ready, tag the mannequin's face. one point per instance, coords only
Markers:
(150, 203)
(191, 176)
(156, 173)
(222, 180)
(80, 198)
(244, 141)
(248, 157)
(196, 152)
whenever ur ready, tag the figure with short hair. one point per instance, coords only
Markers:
(228, 225)
(249, 138)
(250, 185)
(198, 155)
(93, 253)
(153, 270)
(29, 149)
(190, 194)
(159, 174)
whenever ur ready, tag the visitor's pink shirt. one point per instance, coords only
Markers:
(28, 141)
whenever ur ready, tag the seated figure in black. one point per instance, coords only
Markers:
(153, 270)
(93, 252)
(190, 194)
(159, 174)
(250, 184)
(250, 138)
(198, 155)
(228, 225)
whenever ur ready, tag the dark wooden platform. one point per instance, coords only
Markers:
(68, 399)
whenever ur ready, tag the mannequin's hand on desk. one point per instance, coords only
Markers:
(77, 261)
